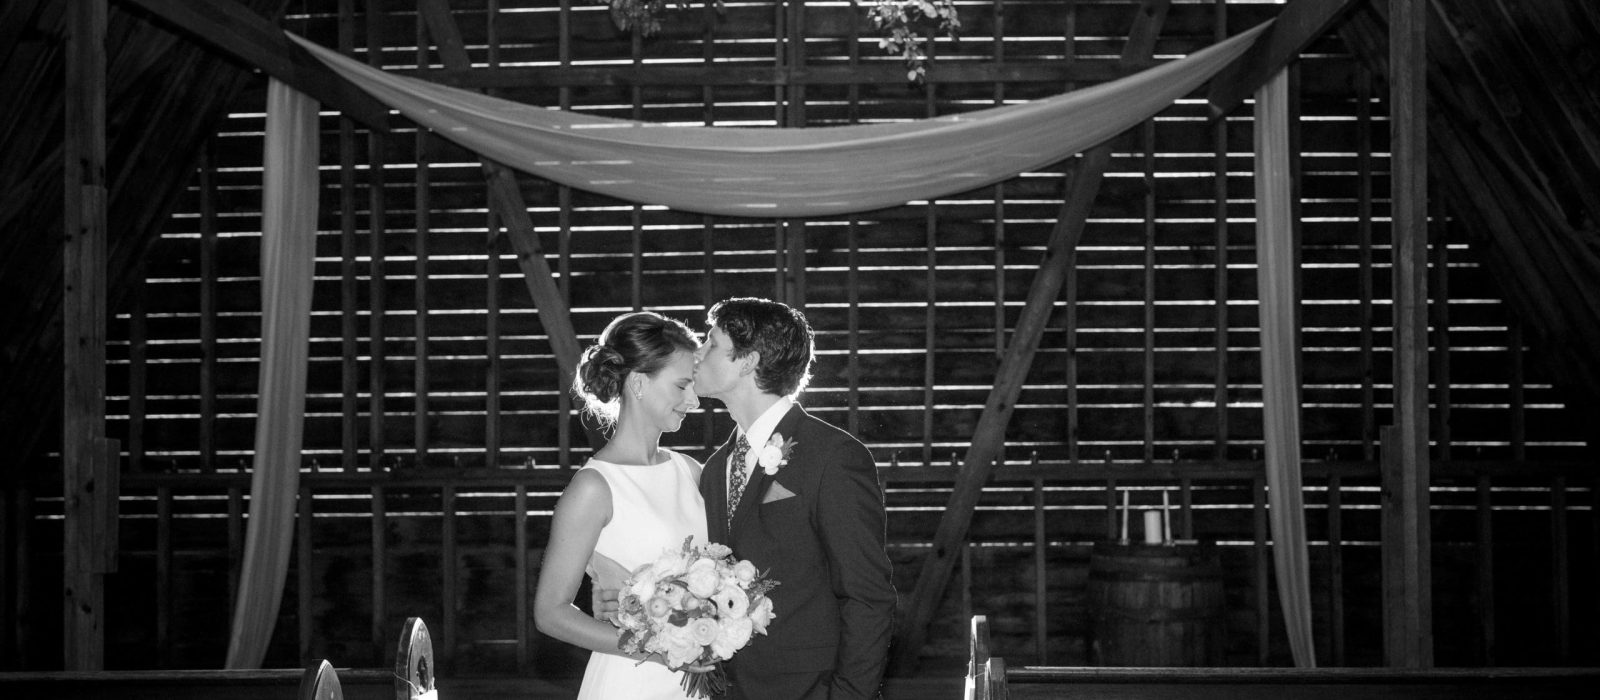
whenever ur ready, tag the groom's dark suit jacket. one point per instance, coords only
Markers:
(825, 546)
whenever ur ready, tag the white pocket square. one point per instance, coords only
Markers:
(776, 493)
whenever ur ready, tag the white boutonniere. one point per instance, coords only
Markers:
(775, 453)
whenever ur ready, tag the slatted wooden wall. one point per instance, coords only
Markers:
(433, 388)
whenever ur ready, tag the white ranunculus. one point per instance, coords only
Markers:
(732, 603)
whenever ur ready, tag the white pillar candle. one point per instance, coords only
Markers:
(1152, 527)
(1124, 537)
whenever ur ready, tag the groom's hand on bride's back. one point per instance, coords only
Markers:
(603, 601)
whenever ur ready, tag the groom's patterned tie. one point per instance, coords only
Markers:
(736, 477)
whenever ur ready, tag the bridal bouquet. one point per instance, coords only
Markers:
(695, 606)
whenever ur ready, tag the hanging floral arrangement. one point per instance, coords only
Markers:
(902, 24)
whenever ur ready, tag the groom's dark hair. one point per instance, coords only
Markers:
(777, 331)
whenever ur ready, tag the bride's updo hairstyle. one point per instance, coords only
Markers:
(643, 342)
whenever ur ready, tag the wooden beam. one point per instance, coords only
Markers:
(505, 198)
(1408, 605)
(988, 437)
(1298, 24)
(83, 457)
(237, 31)
(725, 74)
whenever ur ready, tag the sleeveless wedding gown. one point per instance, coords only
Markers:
(652, 508)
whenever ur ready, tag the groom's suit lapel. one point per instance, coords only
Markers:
(756, 489)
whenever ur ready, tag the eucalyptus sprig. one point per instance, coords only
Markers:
(901, 24)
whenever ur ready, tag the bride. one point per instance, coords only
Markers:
(632, 500)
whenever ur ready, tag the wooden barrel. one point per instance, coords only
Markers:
(1155, 605)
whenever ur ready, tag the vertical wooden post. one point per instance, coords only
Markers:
(164, 615)
(350, 351)
(379, 631)
(84, 462)
(423, 227)
(377, 303)
(447, 551)
(520, 556)
(1408, 604)
(1484, 544)
(208, 311)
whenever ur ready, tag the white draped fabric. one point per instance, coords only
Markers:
(1280, 376)
(746, 172)
(288, 236)
(787, 172)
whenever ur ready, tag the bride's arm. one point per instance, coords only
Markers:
(584, 508)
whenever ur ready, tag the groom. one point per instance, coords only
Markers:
(800, 499)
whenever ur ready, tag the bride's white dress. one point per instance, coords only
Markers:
(652, 508)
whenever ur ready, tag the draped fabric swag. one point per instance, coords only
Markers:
(1280, 374)
(745, 172)
(787, 172)
(288, 250)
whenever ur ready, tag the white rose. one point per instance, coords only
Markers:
(732, 636)
(745, 572)
(771, 457)
(760, 614)
(702, 578)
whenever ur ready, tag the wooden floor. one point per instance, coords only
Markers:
(933, 688)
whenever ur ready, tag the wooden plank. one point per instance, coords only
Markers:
(349, 305)
(208, 308)
(449, 566)
(494, 368)
(1411, 621)
(305, 595)
(1560, 571)
(1041, 545)
(164, 608)
(423, 229)
(379, 571)
(989, 434)
(870, 74)
(1439, 304)
(237, 31)
(1261, 568)
(138, 367)
(377, 279)
(1369, 435)
(1147, 158)
(1483, 545)
(520, 580)
(1336, 587)
(930, 330)
(84, 260)
(1299, 23)
(1219, 276)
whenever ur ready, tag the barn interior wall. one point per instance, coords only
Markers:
(435, 415)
